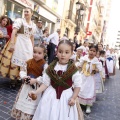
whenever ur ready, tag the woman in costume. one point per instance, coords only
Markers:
(20, 47)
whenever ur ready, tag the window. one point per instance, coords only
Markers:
(13, 10)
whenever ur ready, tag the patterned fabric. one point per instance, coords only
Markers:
(23, 47)
(87, 72)
(61, 80)
(17, 114)
(35, 68)
(7, 69)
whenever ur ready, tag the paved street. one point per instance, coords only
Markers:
(107, 106)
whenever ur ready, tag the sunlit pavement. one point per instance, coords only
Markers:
(107, 106)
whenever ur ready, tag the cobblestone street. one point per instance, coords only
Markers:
(107, 106)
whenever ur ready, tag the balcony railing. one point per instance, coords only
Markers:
(70, 15)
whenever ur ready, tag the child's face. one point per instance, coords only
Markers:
(97, 54)
(64, 53)
(92, 52)
(79, 52)
(85, 44)
(102, 55)
(38, 53)
(100, 47)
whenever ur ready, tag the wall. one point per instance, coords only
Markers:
(1, 7)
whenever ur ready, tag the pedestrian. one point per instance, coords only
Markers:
(4, 22)
(110, 61)
(86, 49)
(90, 65)
(99, 85)
(24, 107)
(38, 36)
(100, 46)
(64, 37)
(79, 53)
(102, 60)
(20, 48)
(45, 35)
(53, 40)
(61, 82)
(9, 28)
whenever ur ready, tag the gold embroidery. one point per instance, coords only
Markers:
(87, 72)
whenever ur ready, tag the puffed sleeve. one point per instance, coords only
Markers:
(40, 78)
(46, 79)
(77, 80)
(18, 23)
(23, 74)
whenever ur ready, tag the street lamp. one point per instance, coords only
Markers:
(79, 15)
(78, 5)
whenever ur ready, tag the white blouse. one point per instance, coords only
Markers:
(76, 78)
(29, 29)
(90, 62)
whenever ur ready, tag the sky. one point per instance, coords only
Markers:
(114, 22)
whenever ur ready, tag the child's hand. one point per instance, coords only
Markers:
(71, 102)
(33, 81)
(32, 95)
(26, 77)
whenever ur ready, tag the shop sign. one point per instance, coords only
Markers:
(26, 3)
(43, 12)
(53, 4)
(89, 33)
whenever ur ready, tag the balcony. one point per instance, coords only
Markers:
(70, 16)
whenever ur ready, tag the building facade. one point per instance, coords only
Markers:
(49, 11)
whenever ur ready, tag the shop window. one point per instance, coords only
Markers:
(18, 12)
(12, 10)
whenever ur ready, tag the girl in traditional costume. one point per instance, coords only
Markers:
(102, 60)
(24, 106)
(90, 65)
(61, 85)
(110, 62)
(79, 53)
(20, 48)
(99, 75)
